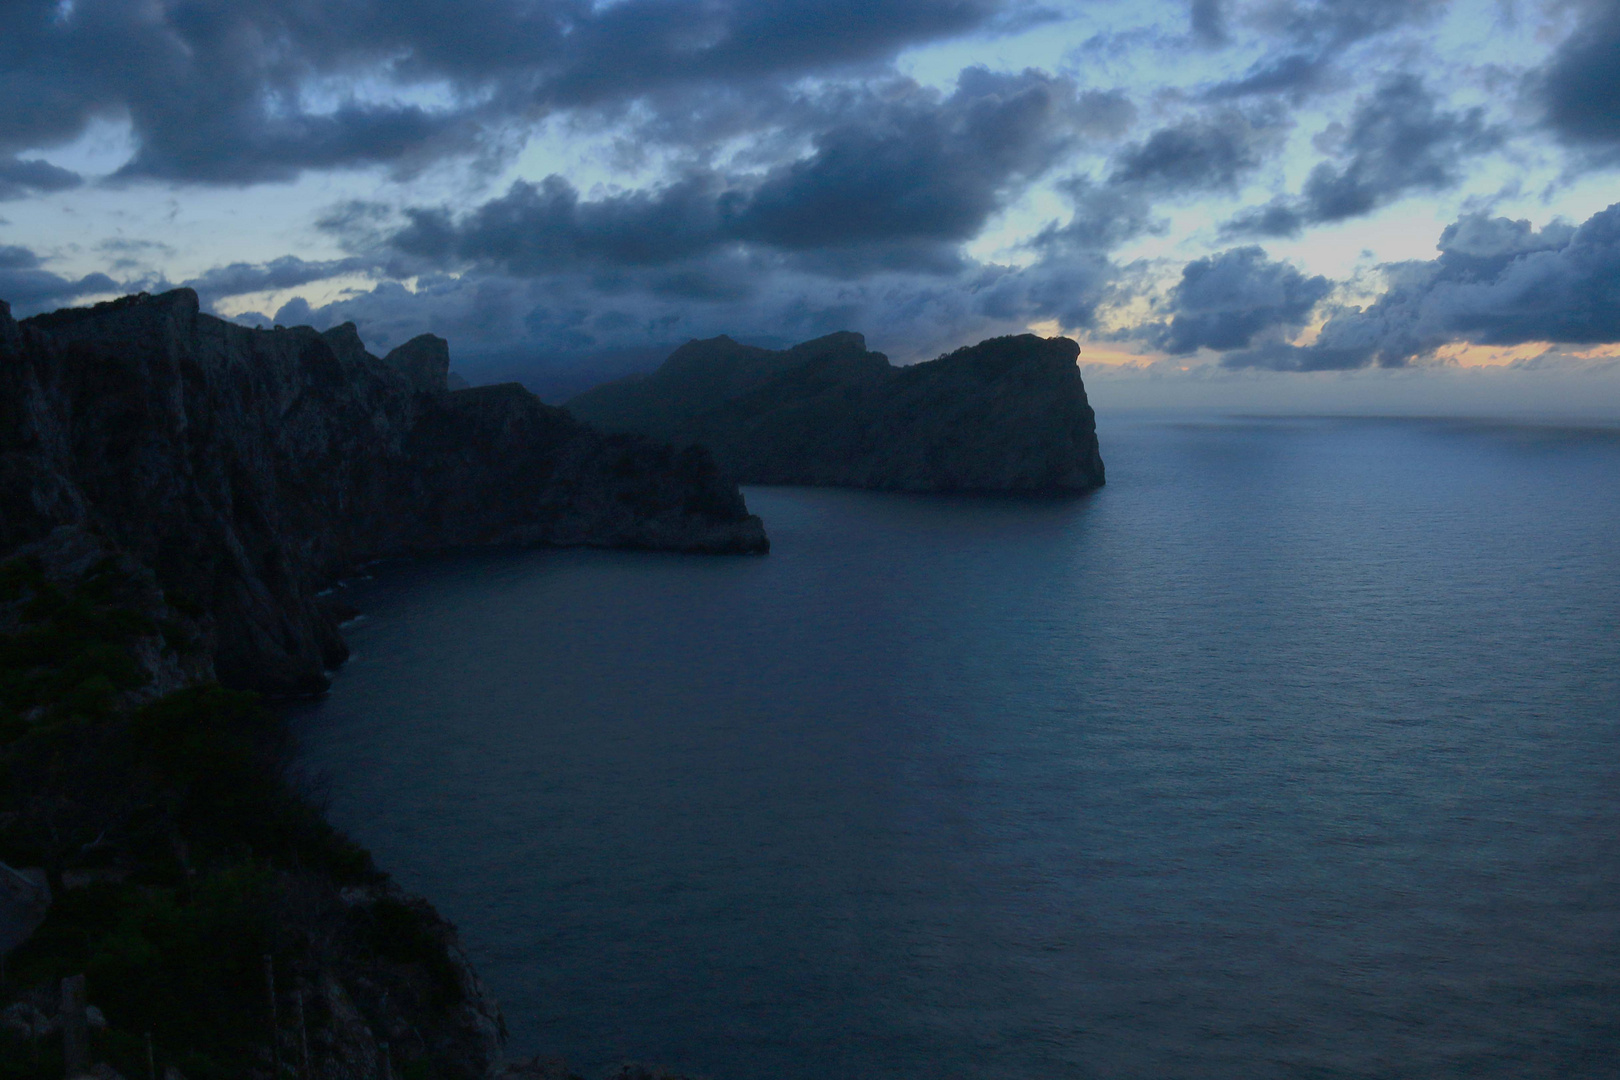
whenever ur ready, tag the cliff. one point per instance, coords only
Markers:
(190, 883)
(174, 490)
(1008, 414)
(246, 468)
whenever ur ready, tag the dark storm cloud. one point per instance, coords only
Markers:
(1279, 217)
(1199, 154)
(1337, 24)
(243, 91)
(1580, 86)
(634, 47)
(918, 169)
(1224, 301)
(894, 179)
(1291, 74)
(1208, 22)
(546, 227)
(1105, 216)
(1313, 40)
(1496, 282)
(287, 272)
(549, 328)
(1103, 113)
(1398, 140)
(28, 287)
(197, 141)
(21, 178)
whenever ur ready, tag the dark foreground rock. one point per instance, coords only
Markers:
(1008, 414)
(174, 490)
(247, 468)
(212, 920)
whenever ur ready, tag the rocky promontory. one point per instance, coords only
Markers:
(1008, 414)
(174, 492)
(247, 468)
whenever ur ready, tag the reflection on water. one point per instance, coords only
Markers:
(1293, 752)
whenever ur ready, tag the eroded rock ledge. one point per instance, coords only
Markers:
(248, 468)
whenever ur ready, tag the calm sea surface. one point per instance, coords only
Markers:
(1294, 752)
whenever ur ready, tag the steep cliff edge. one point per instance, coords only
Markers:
(248, 467)
(1008, 414)
(173, 491)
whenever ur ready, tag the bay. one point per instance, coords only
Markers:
(1295, 751)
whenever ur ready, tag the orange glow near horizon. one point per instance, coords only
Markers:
(1104, 354)
(1465, 355)
(1091, 353)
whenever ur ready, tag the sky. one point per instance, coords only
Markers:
(1321, 204)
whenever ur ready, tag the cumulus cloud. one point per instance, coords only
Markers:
(897, 179)
(21, 178)
(1312, 36)
(1495, 282)
(287, 272)
(1580, 86)
(1208, 153)
(1105, 216)
(1224, 301)
(28, 287)
(1291, 74)
(1337, 24)
(1398, 140)
(555, 330)
(242, 92)
(1208, 22)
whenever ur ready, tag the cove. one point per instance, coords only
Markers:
(1292, 752)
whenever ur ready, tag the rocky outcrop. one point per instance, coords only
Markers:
(248, 467)
(1008, 414)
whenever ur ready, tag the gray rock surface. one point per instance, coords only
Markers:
(248, 468)
(1008, 414)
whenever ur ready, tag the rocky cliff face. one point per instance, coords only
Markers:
(1008, 414)
(247, 468)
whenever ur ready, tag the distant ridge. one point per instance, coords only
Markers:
(1007, 414)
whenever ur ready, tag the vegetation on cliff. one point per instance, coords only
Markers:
(174, 491)
(181, 855)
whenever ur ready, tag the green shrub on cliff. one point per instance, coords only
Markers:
(180, 855)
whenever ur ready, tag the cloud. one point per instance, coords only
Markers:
(1495, 282)
(1398, 141)
(1292, 74)
(1312, 38)
(1225, 300)
(917, 169)
(192, 140)
(21, 178)
(1281, 216)
(548, 328)
(1580, 85)
(28, 287)
(1198, 154)
(287, 272)
(1105, 216)
(261, 90)
(1338, 24)
(896, 178)
(1208, 22)
(13, 257)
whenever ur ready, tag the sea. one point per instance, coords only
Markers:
(1293, 752)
